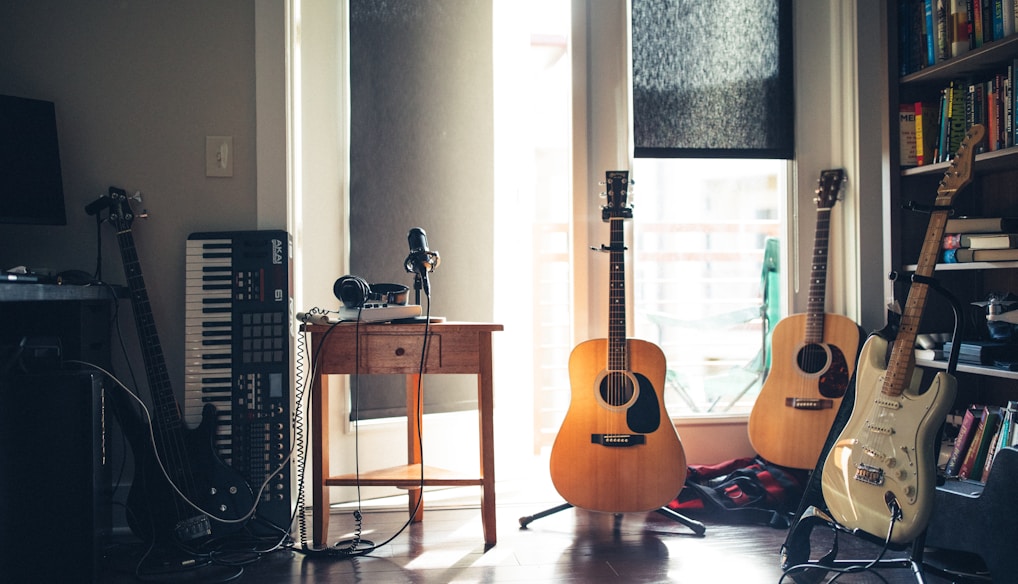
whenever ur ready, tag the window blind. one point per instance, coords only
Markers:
(713, 79)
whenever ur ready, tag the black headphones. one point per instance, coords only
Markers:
(355, 292)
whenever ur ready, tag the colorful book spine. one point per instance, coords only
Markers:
(908, 136)
(977, 23)
(958, 29)
(961, 444)
(972, 467)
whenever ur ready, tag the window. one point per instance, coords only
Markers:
(701, 230)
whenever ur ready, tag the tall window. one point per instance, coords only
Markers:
(701, 264)
(700, 231)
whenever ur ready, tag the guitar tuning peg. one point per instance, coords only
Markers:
(143, 214)
(136, 196)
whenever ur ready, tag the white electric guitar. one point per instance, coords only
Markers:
(880, 475)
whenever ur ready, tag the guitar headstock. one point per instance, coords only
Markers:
(121, 215)
(829, 188)
(617, 190)
(959, 173)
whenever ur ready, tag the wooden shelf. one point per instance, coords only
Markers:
(407, 476)
(981, 60)
(1006, 159)
(963, 266)
(966, 368)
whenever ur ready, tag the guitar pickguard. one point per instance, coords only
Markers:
(644, 416)
(834, 382)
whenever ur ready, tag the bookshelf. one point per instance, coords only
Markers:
(961, 506)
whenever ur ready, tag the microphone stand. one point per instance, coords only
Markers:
(421, 262)
(418, 285)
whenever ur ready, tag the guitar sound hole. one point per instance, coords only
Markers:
(616, 389)
(812, 358)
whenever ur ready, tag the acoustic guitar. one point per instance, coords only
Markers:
(880, 474)
(617, 450)
(813, 357)
(174, 466)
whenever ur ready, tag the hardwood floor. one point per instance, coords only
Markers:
(569, 546)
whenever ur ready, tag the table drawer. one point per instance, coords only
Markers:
(399, 353)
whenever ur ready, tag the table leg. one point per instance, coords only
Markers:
(485, 412)
(320, 459)
(414, 410)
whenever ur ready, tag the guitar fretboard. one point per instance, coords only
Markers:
(902, 361)
(816, 304)
(165, 413)
(617, 359)
(615, 213)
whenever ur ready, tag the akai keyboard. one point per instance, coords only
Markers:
(237, 354)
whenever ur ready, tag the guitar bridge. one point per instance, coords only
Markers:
(869, 474)
(618, 440)
(809, 403)
(193, 528)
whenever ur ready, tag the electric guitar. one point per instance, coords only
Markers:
(171, 457)
(617, 450)
(813, 357)
(880, 474)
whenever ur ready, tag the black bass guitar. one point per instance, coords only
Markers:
(182, 492)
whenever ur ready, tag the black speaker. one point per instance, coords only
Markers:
(55, 511)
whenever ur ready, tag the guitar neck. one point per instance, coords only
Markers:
(816, 304)
(165, 410)
(617, 358)
(902, 360)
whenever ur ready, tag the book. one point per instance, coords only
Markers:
(958, 28)
(998, 20)
(975, 458)
(929, 354)
(957, 119)
(1002, 438)
(982, 225)
(941, 49)
(966, 431)
(983, 352)
(925, 132)
(1012, 410)
(907, 135)
(990, 241)
(991, 420)
(964, 255)
(977, 24)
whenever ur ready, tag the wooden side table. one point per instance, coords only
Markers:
(453, 347)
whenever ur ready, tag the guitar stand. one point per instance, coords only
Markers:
(697, 527)
(797, 565)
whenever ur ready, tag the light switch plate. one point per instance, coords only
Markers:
(219, 156)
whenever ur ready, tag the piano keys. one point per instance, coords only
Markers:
(238, 309)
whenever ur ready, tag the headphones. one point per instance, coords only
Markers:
(355, 292)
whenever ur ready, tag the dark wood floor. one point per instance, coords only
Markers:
(569, 546)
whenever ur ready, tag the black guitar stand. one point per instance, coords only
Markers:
(813, 512)
(698, 528)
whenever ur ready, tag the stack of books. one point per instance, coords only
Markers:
(983, 432)
(980, 239)
(984, 352)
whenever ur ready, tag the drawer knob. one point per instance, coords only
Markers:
(400, 351)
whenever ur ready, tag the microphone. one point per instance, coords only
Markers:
(421, 260)
(98, 205)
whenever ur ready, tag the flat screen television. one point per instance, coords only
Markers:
(31, 186)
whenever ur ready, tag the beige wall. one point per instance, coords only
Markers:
(137, 87)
